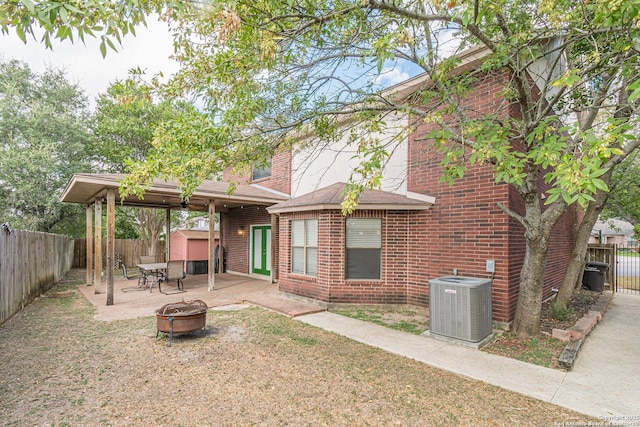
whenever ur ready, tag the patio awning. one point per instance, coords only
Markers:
(85, 188)
(331, 197)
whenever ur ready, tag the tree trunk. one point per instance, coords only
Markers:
(151, 223)
(572, 275)
(576, 263)
(528, 311)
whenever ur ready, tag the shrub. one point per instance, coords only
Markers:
(559, 312)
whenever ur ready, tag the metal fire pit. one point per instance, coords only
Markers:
(181, 318)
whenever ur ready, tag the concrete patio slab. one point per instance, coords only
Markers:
(229, 289)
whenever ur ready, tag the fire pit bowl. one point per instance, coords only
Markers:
(181, 318)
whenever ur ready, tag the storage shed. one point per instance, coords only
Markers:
(193, 247)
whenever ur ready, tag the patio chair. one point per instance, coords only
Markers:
(147, 259)
(129, 276)
(175, 271)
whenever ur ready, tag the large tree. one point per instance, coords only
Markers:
(126, 118)
(268, 71)
(44, 129)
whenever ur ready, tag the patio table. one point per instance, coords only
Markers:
(155, 270)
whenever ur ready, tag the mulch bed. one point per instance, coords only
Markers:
(581, 301)
(544, 350)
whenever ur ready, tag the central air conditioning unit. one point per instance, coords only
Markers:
(460, 307)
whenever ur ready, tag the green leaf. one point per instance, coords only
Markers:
(600, 184)
(552, 198)
(103, 48)
(110, 43)
(64, 16)
(20, 33)
(29, 5)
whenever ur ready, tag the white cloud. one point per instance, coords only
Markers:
(392, 76)
(150, 50)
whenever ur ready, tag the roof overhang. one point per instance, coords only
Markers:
(361, 206)
(87, 188)
(330, 198)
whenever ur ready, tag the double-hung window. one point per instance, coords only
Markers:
(304, 246)
(364, 248)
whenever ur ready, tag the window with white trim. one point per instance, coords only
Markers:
(304, 246)
(364, 248)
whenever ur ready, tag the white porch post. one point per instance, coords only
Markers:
(220, 247)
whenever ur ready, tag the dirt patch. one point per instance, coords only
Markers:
(61, 367)
(407, 319)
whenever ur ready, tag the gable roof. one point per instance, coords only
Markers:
(331, 197)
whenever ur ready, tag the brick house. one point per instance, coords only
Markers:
(284, 223)
(414, 229)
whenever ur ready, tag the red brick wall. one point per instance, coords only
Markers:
(239, 177)
(236, 246)
(280, 179)
(330, 284)
(461, 231)
(465, 227)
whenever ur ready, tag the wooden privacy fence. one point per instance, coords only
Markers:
(127, 250)
(30, 264)
(604, 253)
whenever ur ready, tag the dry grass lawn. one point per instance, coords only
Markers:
(60, 367)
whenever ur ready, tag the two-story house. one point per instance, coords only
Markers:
(414, 229)
(284, 221)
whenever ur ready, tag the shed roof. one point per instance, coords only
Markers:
(196, 234)
(331, 197)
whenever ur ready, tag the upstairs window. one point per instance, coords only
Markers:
(304, 246)
(261, 170)
(364, 248)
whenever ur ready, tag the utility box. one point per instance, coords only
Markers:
(198, 267)
(460, 307)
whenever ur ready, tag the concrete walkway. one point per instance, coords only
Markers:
(604, 381)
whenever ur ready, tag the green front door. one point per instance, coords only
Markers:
(261, 250)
